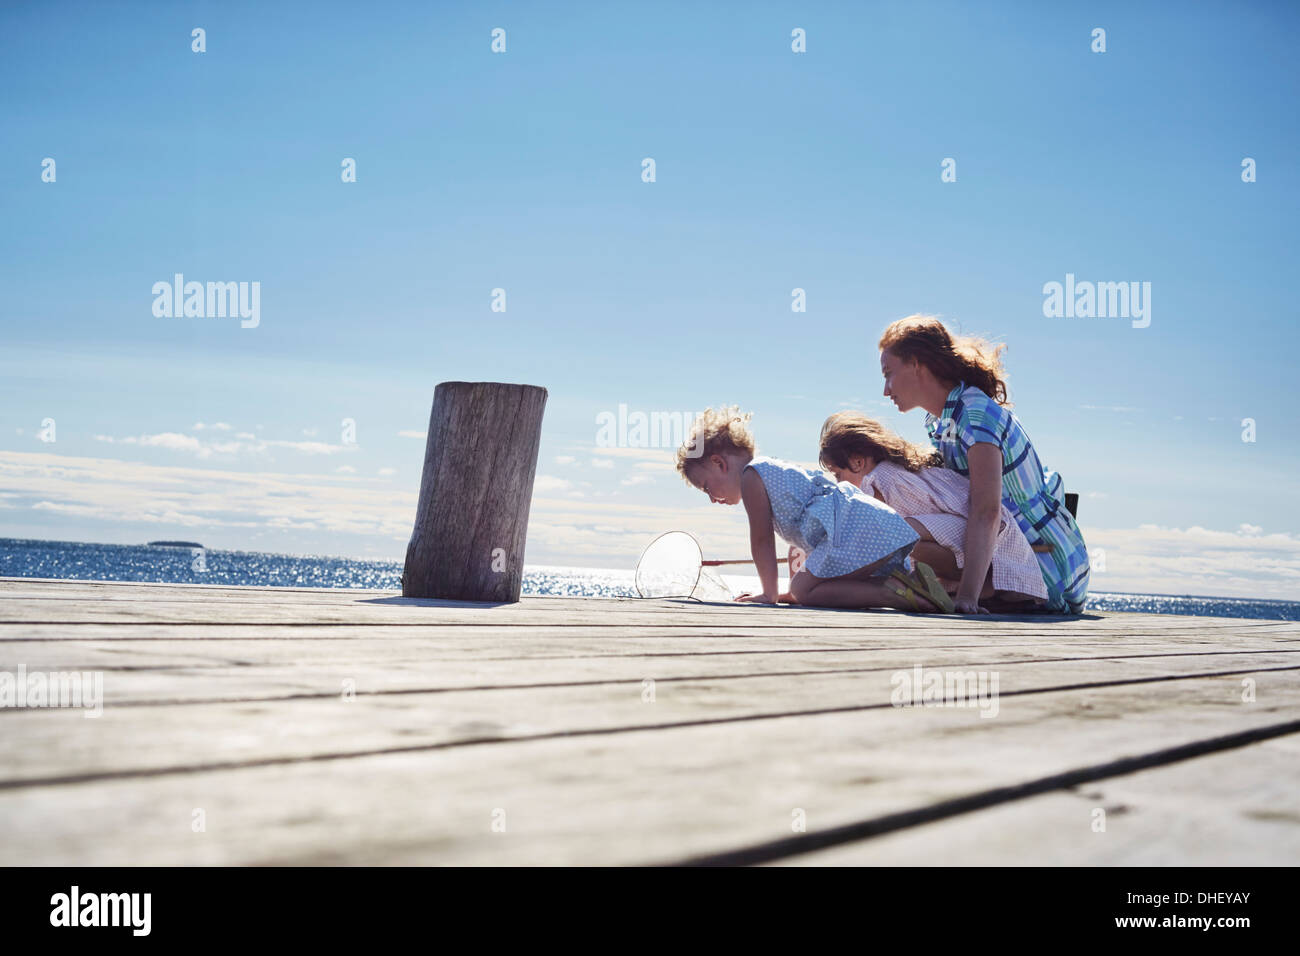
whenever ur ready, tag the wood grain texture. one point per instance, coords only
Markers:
(471, 519)
(229, 700)
(1235, 808)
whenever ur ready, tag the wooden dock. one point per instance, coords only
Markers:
(558, 731)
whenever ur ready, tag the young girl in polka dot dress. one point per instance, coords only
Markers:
(857, 547)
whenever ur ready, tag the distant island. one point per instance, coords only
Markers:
(175, 544)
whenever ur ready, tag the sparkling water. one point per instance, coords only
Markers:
(184, 565)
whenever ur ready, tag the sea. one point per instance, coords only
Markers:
(180, 564)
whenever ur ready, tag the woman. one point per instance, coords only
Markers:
(962, 386)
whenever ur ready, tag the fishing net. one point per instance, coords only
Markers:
(672, 566)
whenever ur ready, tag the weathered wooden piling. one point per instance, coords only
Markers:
(472, 518)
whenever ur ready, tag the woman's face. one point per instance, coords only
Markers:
(902, 380)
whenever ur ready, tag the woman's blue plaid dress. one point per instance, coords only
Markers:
(1032, 493)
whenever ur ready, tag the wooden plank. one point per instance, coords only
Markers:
(650, 796)
(65, 744)
(592, 613)
(363, 649)
(26, 599)
(1236, 808)
(145, 672)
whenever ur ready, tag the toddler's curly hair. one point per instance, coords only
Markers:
(717, 431)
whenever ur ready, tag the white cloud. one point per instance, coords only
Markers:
(346, 470)
(387, 472)
(412, 434)
(602, 463)
(310, 432)
(649, 454)
(117, 491)
(1242, 563)
(565, 459)
(548, 484)
(219, 426)
(245, 444)
(172, 440)
(637, 479)
(306, 447)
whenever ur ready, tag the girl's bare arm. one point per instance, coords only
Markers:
(762, 541)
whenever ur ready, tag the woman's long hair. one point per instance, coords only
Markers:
(852, 434)
(962, 358)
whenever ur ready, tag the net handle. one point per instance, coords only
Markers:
(717, 564)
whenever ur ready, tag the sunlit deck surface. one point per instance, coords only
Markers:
(585, 731)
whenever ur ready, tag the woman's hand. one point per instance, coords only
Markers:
(757, 598)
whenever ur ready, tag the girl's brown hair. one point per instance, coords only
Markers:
(851, 434)
(961, 358)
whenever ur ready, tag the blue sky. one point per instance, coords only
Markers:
(522, 170)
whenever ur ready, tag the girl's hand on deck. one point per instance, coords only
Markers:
(968, 606)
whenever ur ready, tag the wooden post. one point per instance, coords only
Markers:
(472, 518)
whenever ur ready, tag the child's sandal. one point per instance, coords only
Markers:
(908, 595)
(934, 589)
(927, 585)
